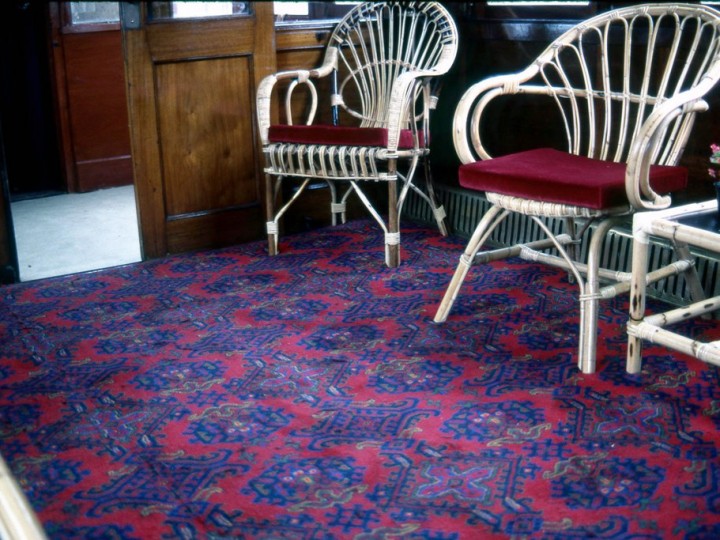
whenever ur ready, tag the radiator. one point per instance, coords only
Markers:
(465, 208)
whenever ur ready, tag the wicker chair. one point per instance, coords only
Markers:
(381, 61)
(627, 85)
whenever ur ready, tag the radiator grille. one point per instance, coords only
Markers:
(465, 208)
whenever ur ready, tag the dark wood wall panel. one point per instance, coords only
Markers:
(208, 165)
(96, 109)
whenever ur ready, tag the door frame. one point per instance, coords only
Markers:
(9, 264)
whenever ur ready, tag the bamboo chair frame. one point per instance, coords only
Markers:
(653, 328)
(382, 60)
(624, 120)
(18, 520)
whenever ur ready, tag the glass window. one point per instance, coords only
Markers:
(290, 9)
(538, 3)
(310, 11)
(536, 9)
(196, 9)
(94, 12)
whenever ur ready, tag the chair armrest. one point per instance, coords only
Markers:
(265, 91)
(402, 99)
(298, 76)
(472, 105)
(673, 118)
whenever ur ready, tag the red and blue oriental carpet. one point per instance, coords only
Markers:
(309, 396)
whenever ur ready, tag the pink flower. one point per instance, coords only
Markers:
(714, 160)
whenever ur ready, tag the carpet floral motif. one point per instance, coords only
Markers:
(310, 396)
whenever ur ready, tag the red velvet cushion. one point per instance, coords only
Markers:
(554, 176)
(338, 135)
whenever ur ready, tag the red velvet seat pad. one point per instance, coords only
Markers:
(338, 136)
(554, 176)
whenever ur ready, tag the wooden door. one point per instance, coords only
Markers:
(191, 100)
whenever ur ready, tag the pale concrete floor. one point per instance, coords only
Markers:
(76, 232)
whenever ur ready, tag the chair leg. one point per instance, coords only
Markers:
(588, 332)
(638, 293)
(692, 280)
(572, 249)
(589, 289)
(337, 207)
(270, 220)
(437, 209)
(590, 300)
(484, 229)
(273, 214)
(392, 238)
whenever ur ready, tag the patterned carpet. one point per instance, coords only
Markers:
(227, 394)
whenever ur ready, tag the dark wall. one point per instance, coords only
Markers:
(492, 42)
(26, 109)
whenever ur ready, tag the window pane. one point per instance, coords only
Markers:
(311, 11)
(196, 9)
(284, 9)
(94, 12)
(538, 3)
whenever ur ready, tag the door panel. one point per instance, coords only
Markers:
(98, 110)
(206, 168)
(90, 93)
(191, 90)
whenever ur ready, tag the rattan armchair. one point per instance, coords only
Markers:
(626, 86)
(381, 61)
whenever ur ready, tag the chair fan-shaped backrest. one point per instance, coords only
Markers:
(377, 42)
(610, 73)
